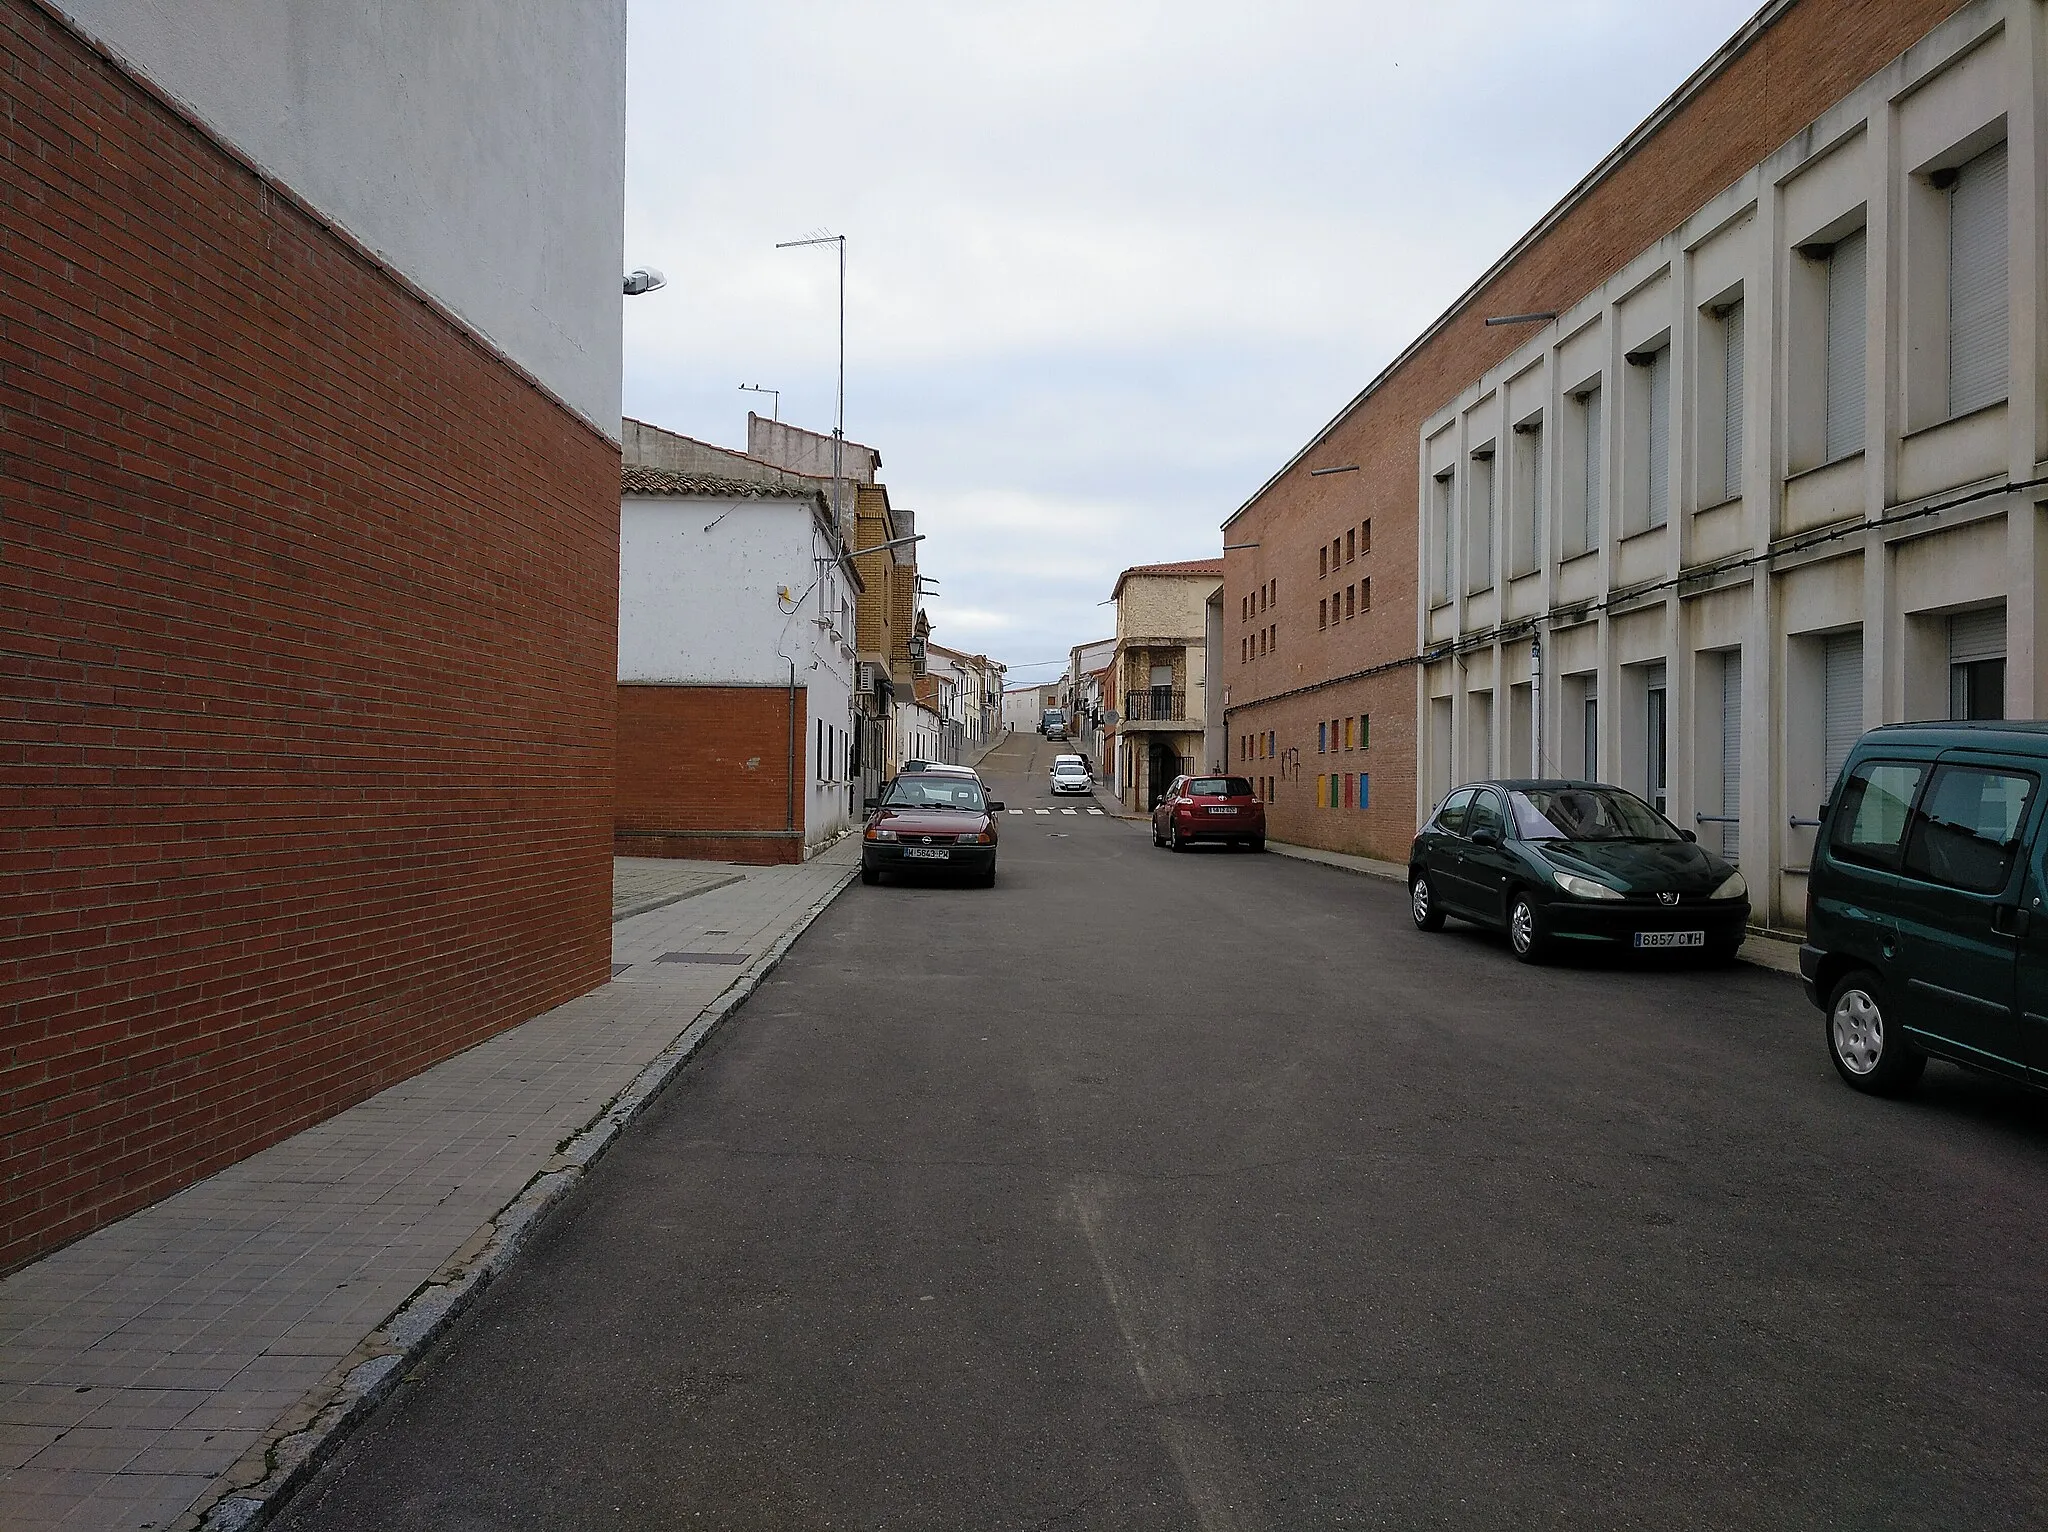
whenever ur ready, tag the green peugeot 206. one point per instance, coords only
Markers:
(1556, 864)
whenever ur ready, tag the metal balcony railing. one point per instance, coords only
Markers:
(1155, 704)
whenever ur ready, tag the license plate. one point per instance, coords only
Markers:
(926, 854)
(1222, 811)
(1671, 938)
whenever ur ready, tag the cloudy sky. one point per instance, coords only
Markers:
(1109, 263)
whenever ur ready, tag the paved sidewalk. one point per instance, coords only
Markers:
(154, 1372)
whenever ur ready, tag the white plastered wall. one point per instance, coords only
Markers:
(475, 146)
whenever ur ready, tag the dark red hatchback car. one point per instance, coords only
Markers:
(1209, 808)
(931, 822)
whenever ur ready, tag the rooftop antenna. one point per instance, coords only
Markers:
(839, 401)
(755, 388)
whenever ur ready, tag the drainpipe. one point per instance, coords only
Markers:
(789, 811)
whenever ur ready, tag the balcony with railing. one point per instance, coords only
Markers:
(1155, 705)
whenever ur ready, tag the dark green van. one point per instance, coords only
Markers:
(1926, 934)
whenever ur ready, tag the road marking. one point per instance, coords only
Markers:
(1041, 811)
(1070, 811)
(1018, 812)
(1096, 812)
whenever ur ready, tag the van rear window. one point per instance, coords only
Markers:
(1870, 821)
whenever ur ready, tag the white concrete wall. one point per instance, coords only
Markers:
(1886, 540)
(477, 146)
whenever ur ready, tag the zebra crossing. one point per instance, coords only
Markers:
(1070, 813)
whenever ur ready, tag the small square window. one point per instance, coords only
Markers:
(1350, 732)
(1350, 601)
(1365, 535)
(1322, 562)
(1365, 594)
(1322, 614)
(1350, 546)
(1364, 731)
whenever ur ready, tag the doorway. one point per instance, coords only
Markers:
(1165, 766)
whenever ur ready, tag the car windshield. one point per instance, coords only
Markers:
(1070, 769)
(1587, 813)
(1219, 787)
(934, 793)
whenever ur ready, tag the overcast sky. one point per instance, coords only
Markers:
(1109, 264)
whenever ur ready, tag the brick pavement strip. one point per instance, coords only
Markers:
(186, 1367)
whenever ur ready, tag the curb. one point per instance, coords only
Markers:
(270, 1473)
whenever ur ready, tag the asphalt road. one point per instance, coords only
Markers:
(1201, 1191)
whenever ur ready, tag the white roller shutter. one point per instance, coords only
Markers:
(1659, 498)
(1731, 750)
(1841, 701)
(1593, 463)
(1979, 309)
(1976, 636)
(1845, 347)
(1731, 402)
(1479, 509)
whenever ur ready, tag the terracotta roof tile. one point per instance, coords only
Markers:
(635, 480)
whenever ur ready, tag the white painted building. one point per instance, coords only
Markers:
(726, 586)
(395, 120)
(1024, 706)
(1778, 480)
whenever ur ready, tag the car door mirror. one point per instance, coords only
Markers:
(1691, 835)
(874, 803)
(1488, 837)
(995, 806)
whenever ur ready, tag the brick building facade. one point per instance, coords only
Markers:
(307, 604)
(1339, 522)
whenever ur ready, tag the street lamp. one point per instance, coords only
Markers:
(645, 280)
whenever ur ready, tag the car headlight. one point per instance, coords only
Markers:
(1732, 887)
(1584, 888)
(875, 834)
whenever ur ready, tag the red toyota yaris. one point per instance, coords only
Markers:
(1209, 808)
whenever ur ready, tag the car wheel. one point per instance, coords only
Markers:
(1157, 838)
(871, 876)
(1258, 843)
(1525, 930)
(1872, 1056)
(1173, 840)
(1721, 954)
(1422, 904)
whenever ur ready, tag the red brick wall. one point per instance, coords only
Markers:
(704, 771)
(307, 654)
(1810, 58)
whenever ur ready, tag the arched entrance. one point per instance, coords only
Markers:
(1165, 766)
